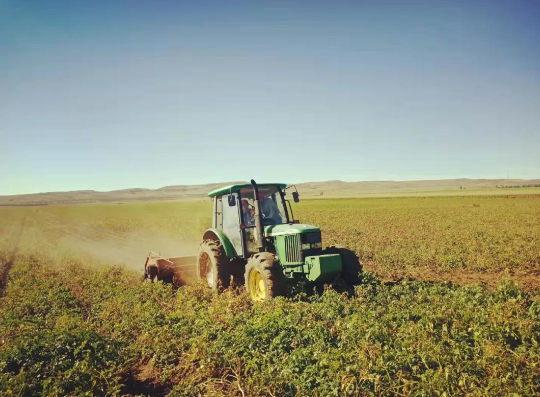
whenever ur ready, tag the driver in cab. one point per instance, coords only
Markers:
(248, 214)
(270, 210)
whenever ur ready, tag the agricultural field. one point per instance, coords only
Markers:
(449, 304)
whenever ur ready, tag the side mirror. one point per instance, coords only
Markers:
(232, 200)
(295, 197)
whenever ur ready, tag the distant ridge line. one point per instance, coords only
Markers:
(323, 189)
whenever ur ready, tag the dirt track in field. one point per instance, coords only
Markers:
(6, 267)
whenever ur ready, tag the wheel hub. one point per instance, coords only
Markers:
(257, 287)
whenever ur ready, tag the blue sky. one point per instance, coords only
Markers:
(115, 94)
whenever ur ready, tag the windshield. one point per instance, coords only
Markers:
(273, 211)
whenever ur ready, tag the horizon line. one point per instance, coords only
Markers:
(291, 184)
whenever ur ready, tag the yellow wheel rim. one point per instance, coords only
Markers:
(257, 289)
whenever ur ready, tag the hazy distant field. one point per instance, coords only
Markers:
(454, 192)
(71, 323)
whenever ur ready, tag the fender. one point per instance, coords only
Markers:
(218, 235)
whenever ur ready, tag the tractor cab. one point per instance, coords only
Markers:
(236, 214)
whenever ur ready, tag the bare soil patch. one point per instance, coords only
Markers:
(526, 278)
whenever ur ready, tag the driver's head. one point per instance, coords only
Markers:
(261, 196)
(245, 205)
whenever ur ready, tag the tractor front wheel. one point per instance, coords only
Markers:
(213, 265)
(264, 277)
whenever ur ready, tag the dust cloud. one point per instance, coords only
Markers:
(55, 237)
(130, 250)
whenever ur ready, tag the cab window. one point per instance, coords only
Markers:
(273, 211)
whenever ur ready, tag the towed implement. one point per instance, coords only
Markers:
(172, 270)
(256, 241)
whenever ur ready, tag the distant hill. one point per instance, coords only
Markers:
(307, 190)
(411, 188)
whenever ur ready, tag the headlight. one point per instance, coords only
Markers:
(317, 245)
(305, 246)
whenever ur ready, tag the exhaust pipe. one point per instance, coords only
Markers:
(258, 218)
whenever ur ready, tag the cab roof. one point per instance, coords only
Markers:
(236, 188)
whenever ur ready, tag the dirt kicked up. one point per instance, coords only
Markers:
(55, 237)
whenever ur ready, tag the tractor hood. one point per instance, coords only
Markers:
(295, 228)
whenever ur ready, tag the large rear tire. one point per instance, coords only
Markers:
(264, 277)
(213, 265)
(351, 266)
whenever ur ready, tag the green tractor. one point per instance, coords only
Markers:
(256, 241)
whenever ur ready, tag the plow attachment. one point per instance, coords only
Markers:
(178, 270)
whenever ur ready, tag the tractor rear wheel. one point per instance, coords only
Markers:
(213, 265)
(264, 277)
(351, 267)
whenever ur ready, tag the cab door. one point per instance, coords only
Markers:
(231, 223)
